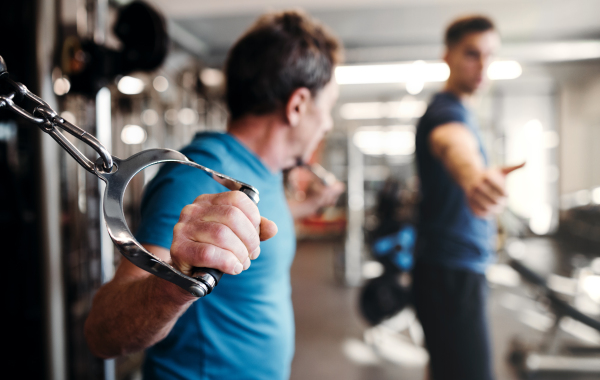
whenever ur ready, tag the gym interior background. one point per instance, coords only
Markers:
(541, 106)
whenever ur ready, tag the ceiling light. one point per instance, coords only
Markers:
(130, 85)
(504, 70)
(367, 110)
(551, 139)
(404, 109)
(150, 117)
(414, 88)
(187, 116)
(391, 141)
(171, 116)
(596, 195)
(540, 222)
(212, 77)
(133, 134)
(160, 83)
(416, 74)
(418, 71)
(62, 86)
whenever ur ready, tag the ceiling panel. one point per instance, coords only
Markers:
(370, 23)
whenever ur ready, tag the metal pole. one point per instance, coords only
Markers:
(99, 14)
(104, 135)
(107, 250)
(356, 204)
(54, 290)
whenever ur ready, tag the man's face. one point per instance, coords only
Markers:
(316, 121)
(469, 59)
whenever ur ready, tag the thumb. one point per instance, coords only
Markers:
(268, 229)
(508, 169)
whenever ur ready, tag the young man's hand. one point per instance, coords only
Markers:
(486, 194)
(321, 195)
(458, 149)
(221, 231)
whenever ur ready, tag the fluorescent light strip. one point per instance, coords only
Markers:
(415, 72)
(404, 109)
(392, 73)
(392, 141)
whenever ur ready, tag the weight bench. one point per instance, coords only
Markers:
(547, 357)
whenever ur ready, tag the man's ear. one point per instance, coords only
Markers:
(446, 56)
(297, 105)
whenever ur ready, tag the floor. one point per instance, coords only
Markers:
(330, 336)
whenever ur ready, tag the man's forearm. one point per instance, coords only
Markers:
(131, 315)
(458, 150)
(301, 210)
(464, 165)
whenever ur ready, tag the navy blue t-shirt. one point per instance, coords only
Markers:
(244, 329)
(448, 232)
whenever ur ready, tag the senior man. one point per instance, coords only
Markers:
(280, 93)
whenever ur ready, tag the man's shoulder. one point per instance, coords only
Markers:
(209, 144)
(444, 108)
(444, 102)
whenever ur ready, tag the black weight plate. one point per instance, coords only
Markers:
(382, 298)
(143, 32)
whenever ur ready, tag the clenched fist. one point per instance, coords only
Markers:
(221, 231)
(486, 194)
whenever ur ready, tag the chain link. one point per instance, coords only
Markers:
(48, 120)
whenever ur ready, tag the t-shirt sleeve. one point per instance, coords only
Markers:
(174, 187)
(447, 114)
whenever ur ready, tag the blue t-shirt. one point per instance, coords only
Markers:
(448, 232)
(245, 327)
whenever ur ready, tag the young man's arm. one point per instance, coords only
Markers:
(136, 309)
(317, 197)
(457, 148)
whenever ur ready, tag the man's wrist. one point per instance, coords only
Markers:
(169, 292)
(471, 181)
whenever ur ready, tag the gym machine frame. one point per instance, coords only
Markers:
(117, 173)
(545, 358)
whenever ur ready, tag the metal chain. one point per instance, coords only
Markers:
(48, 120)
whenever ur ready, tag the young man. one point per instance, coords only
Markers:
(280, 93)
(460, 195)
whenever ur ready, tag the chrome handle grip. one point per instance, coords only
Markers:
(116, 183)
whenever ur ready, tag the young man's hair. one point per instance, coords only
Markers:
(280, 53)
(466, 25)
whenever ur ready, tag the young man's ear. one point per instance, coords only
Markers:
(446, 56)
(297, 105)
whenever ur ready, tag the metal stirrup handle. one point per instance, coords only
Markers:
(117, 174)
(203, 280)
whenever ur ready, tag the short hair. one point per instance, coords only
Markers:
(281, 52)
(466, 25)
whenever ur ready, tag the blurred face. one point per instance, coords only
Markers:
(315, 122)
(469, 59)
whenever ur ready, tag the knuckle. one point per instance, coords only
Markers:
(176, 249)
(180, 252)
(186, 213)
(230, 197)
(238, 196)
(232, 214)
(205, 254)
(221, 232)
(203, 198)
(178, 230)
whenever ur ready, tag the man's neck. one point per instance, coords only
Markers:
(264, 136)
(450, 87)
